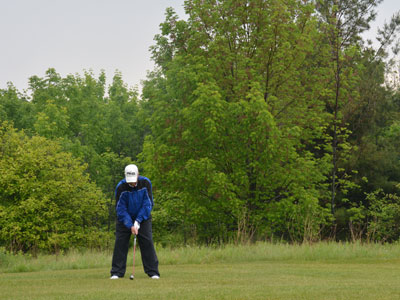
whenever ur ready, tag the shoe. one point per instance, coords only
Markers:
(114, 277)
(155, 277)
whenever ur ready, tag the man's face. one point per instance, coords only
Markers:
(132, 184)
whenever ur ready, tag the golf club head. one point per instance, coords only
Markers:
(131, 277)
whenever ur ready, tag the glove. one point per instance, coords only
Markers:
(136, 225)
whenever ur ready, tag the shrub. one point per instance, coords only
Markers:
(47, 201)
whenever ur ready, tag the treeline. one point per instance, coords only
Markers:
(262, 120)
(64, 148)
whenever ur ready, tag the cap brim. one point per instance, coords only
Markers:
(131, 178)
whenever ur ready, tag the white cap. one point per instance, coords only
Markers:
(131, 173)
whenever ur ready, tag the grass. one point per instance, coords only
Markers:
(262, 271)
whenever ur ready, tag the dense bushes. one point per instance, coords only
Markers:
(47, 202)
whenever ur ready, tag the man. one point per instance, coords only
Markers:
(134, 204)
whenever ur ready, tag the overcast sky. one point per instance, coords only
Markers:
(76, 35)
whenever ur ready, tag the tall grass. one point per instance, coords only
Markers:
(11, 263)
(321, 252)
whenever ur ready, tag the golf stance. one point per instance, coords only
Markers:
(134, 204)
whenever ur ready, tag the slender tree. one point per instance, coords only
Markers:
(342, 21)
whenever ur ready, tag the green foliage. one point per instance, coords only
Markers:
(234, 111)
(52, 122)
(341, 24)
(47, 201)
(253, 109)
(384, 217)
(15, 107)
(262, 120)
(102, 131)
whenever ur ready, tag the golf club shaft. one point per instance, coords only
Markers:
(134, 251)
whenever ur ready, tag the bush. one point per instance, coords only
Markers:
(384, 215)
(47, 201)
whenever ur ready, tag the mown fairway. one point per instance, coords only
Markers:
(244, 280)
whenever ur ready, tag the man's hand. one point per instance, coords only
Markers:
(135, 228)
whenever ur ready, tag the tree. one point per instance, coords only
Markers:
(15, 107)
(52, 122)
(47, 200)
(125, 126)
(342, 21)
(106, 132)
(235, 115)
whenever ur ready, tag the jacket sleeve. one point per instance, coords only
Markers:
(118, 191)
(122, 210)
(147, 184)
(145, 209)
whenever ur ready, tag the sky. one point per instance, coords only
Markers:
(74, 36)
(77, 35)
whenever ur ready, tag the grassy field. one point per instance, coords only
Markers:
(263, 271)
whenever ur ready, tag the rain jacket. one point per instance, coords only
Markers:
(133, 203)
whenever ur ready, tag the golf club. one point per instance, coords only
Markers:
(134, 250)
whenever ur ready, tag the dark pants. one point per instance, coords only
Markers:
(147, 251)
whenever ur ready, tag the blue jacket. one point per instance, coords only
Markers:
(133, 204)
